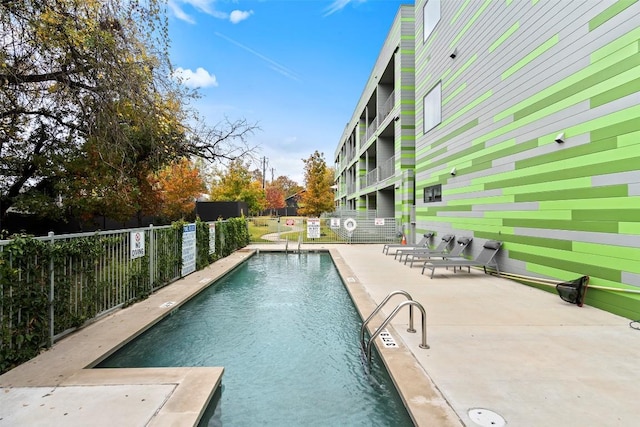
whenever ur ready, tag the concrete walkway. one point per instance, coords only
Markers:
(500, 352)
(511, 350)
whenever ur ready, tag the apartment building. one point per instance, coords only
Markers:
(513, 120)
(369, 161)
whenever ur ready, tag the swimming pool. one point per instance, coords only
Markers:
(287, 333)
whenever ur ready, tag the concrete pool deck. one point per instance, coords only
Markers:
(498, 350)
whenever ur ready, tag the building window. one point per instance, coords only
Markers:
(433, 193)
(431, 16)
(433, 108)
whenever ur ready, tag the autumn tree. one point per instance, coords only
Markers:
(288, 186)
(275, 198)
(235, 184)
(86, 91)
(179, 184)
(318, 195)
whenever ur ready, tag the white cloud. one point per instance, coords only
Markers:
(338, 5)
(198, 79)
(179, 13)
(205, 6)
(239, 15)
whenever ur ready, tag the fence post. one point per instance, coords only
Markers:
(51, 289)
(152, 251)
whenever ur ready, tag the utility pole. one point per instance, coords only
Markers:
(272, 170)
(264, 170)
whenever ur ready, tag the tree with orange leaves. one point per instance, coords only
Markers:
(275, 198)
(179, 184)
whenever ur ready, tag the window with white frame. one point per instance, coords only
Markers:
(431, 16)
(433, 108)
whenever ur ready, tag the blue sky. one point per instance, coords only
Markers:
(296, 67)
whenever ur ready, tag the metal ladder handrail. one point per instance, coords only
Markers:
(299, 241)
(391, 316)
(379, 307)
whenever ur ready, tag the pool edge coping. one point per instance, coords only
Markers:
(424, 402)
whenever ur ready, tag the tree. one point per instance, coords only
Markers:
(288, 186)
(85, 86)
(180, 184)
(318, 197)
(275, 198)
(237, 184)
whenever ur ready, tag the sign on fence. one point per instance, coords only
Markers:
(313, 228)
(335, 223)
(137, 244)
(188, 249)
(212, 238)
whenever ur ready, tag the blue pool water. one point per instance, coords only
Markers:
(287, 333)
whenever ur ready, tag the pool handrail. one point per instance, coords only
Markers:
(391, 316)
(379, 307)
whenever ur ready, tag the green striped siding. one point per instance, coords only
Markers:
(555, 181)
(551, 204)
(590, 81)
(465, 66)
(619, 56)
(504, 37)
(470, 23)
(609, 13)
(579, 268)
(530, 57)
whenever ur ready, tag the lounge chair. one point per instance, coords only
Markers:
(442, 247)
(456, 252)
(424, 241)
(484, 259)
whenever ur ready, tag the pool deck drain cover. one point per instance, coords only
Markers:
(486, 418)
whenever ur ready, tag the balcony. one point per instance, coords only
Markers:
(387, 106)
(387, 169)
(379, 174)
(371, 129)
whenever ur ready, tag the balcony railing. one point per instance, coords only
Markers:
(363, 182)
(371, 129)
(388, 168)
(387, 106)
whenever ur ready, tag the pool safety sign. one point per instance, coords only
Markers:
(188, 248)
(335, 223)
(212, 238)
(313, 228)
(137, 244)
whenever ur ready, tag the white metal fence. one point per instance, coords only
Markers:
(345, 227)
(51, 285)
